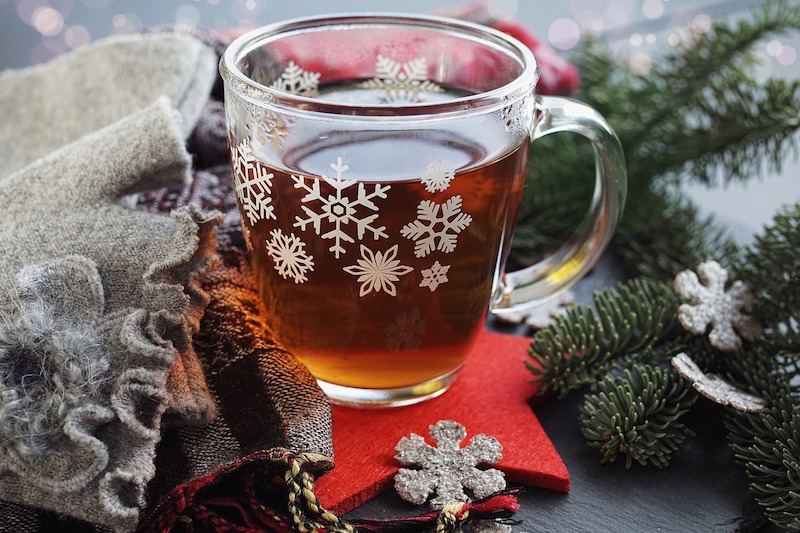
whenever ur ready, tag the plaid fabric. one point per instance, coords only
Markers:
(268, 403)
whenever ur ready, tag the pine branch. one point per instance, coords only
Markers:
(637, 415)
(665, 235)
(691, 101)
(768, 443)
(744, 131)
(572, 352)
(698, 114)
(772, 269)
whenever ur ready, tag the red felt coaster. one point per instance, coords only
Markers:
(490, 396)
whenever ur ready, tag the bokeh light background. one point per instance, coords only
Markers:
(33, 31)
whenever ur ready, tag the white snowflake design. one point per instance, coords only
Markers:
(253, 184)
(264, 126)
(711, 305)
(339, 209)
(403, 334)
(437, 176)
(295, 80)
(288, 253)
(378, 271)
(272, 128)
(447, 469)
(434, 224)
(434, 276)
(402, 81)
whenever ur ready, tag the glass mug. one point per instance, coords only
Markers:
(379, 163)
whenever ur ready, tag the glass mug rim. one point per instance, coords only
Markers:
(522, 85)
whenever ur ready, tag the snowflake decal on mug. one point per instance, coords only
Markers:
(434, 276)
(288, 253)
(437, 176)
(437, 226)
(340, 209)
(253, 184)
(295, 80)
(401, 81)
(378, 271)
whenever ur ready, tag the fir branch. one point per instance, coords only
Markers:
(692, 100)
(768, 445)
(630, 317)
(772, 269)
(637, 414)
(665, 235)
(744, 131)
(698, 114)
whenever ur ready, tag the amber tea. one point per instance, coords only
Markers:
(378, 253)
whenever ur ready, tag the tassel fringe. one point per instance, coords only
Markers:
(278, 496)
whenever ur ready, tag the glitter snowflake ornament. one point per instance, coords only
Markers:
(712, 305)
(715, 388)
(447, 469)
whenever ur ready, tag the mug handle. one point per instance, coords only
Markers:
(560, 270)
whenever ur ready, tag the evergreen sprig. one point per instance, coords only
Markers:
(638, 415)
(768, 443)
(625, 319)
(699, 115)
(773, 269)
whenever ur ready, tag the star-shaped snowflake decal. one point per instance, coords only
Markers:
(378, 271)
(340, 210)
(295, 80)
(288, 253)
(437, 176)
(253, 184)
(712, 305)
(403, 334)
(446, 470)
(437, 226)
(434, 276)
(401, 81)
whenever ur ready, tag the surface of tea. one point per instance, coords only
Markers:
(376, 251)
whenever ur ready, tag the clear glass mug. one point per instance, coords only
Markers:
(379, 163)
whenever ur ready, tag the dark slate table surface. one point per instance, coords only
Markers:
(702, 490)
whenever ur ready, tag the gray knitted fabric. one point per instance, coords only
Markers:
(98, 302)
(47, 106)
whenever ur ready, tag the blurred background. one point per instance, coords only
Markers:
(34, 31)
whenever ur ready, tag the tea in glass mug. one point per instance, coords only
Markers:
(379, 163)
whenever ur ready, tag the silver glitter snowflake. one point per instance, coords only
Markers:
(712, 305)
(715, 388)
(446, 470)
